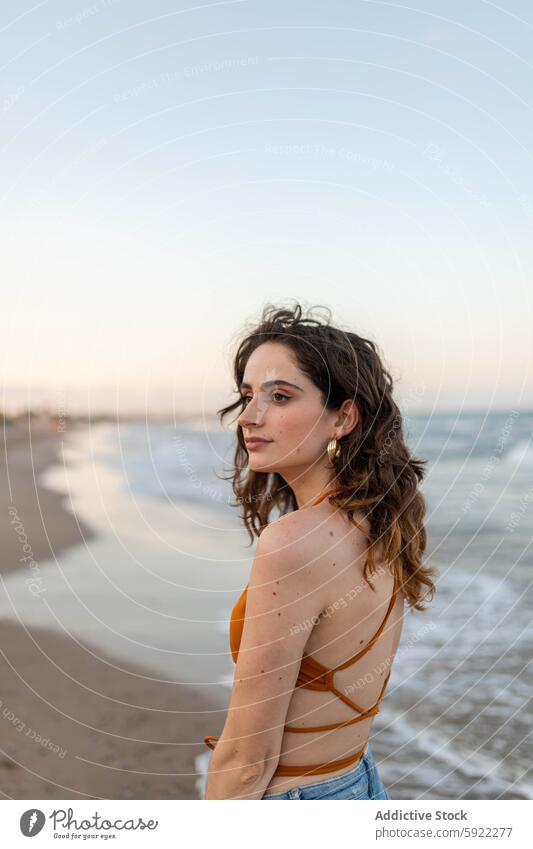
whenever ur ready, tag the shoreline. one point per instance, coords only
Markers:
(122, 680)
(75, 724)
(36, 525)
(77, 720)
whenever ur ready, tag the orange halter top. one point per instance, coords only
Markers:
(314, 676)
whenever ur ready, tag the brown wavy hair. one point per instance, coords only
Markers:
(375, 471)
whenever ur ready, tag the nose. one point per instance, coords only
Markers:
(254, 412)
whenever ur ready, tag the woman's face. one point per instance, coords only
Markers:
(284, 407)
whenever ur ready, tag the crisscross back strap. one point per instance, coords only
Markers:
(363, 713)
(315, 676)
(321, 769)
(371, 642)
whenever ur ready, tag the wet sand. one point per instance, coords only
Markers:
(30, 514)
(73, 726)
(75, 722)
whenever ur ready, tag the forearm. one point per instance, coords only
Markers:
(235, 779)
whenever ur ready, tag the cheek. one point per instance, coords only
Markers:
(302, 433)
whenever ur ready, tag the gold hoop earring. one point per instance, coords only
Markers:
(334, 450)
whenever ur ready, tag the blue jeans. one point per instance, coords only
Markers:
(361, 782)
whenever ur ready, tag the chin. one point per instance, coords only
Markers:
(257, 466)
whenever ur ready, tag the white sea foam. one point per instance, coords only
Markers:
(158, 583)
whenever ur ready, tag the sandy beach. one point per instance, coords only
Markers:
(74, 721)
(114, 630)
(74, 726)
(30, 513)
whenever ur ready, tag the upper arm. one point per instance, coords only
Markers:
(283, 600)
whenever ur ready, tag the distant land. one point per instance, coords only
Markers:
(44, 420)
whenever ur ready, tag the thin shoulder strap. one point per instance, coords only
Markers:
(378, 632)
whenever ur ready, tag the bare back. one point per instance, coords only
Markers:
(351, 614)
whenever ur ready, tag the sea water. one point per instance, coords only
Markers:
(158, 583)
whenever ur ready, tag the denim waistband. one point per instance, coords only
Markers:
(337, 782)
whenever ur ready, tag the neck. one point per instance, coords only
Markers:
(317, 498)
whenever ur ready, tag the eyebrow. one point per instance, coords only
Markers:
(272, 383)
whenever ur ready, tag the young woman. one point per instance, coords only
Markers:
(315, 632)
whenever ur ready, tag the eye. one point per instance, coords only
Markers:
(246, 398)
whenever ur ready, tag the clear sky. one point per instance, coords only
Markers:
(166, 168)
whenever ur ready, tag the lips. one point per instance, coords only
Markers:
(257, 441)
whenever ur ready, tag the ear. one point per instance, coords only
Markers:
(349, 416)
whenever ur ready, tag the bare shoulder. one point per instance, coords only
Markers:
(287, 539)
(317, 526)
(300, 531)
(287, 550)
(291, 526)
